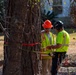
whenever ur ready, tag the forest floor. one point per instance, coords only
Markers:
(68, 70)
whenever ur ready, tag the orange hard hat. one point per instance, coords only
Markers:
(47, 24)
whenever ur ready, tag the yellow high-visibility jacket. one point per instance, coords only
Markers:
(64, 39)
(46, 41)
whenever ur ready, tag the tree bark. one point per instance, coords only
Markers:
(73, 13)
(23, 17)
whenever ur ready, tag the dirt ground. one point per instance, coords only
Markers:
(71, 51)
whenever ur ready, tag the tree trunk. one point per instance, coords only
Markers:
(73, 13)
(23, 17)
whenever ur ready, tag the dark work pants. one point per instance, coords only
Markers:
(56, 60)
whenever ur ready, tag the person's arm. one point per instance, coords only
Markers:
(54, 46)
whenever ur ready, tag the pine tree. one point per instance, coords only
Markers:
(23, 17)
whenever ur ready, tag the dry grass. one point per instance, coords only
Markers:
(72, 46)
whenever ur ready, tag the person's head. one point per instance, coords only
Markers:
(58, 25)
(47, 25)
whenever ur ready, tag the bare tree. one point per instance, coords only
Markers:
(22, 20)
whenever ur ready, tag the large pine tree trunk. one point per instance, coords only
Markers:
(24, 37)
(73, 13)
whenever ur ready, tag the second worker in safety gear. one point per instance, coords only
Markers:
(62, 44)
(47, 38)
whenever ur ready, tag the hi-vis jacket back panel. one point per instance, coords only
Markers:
(62, 38)
(46, 41)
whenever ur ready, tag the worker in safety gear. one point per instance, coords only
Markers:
(62, 44)
(47, 38)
